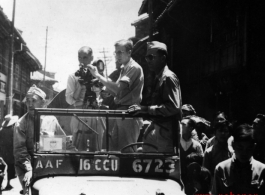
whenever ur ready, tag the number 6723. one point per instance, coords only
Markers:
(143, 165)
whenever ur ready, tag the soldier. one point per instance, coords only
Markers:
(166, 101)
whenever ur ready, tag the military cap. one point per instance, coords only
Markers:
(34, 90)
(156, 45)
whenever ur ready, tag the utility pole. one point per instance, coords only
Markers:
(45, 56)
(11, 75)
(106, 59)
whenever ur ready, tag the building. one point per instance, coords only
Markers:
(217, 50)
(24, 63)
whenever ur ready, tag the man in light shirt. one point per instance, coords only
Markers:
(127, 91)
(190, 149)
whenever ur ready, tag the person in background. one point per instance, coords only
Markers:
(199, 179)
(3, 174)
(219, 151)
(219, 117)
(190, 149)
(187, 110)
(198, 134)
(6, 146)
(127, 91)
(259, 136)
(166, 101)
(240, 174)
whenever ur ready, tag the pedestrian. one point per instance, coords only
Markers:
(187, 110)
(219, 151)
(219, 117)
(165, 102)
(190, 149)
(199, 179)
(3, 175)
(6, 147)
(127, 91)
(240, 174)
(198, 134)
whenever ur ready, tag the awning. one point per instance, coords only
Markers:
(37, 76)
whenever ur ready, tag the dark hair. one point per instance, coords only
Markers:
(201, 175)
(128, 44)
(243, 132)
(191, 123)
(222, 125)
(220, 112)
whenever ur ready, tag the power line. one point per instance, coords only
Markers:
(106, 58)
(45, 55)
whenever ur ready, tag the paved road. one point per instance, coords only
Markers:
(15, 191)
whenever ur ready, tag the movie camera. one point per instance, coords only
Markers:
(87, 79)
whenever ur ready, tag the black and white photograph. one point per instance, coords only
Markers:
(132, 97)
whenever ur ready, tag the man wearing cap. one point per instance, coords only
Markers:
(127, 91)
(165, 100)
(23, 135)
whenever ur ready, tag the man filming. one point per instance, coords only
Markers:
(82, 93)
(75, 90)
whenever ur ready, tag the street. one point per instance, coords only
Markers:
(16, 188)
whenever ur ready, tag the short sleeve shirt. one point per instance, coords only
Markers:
(131, 74)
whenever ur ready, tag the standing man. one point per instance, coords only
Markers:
(127, 91)
(75, 92)
(75, 96)
(166, 100)
(240, 174)
(24, 132)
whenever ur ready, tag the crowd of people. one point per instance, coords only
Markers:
(231, 161)
(216, 158)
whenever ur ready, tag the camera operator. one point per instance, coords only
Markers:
(76, 88)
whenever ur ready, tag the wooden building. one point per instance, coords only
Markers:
(216, 48)
(24, 63)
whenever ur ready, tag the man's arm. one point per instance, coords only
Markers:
(171, 101)
(111, 86)
(73, 93)
(22, 157)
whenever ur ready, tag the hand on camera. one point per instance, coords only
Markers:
(93, 70)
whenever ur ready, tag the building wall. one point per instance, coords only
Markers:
(216, 48)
